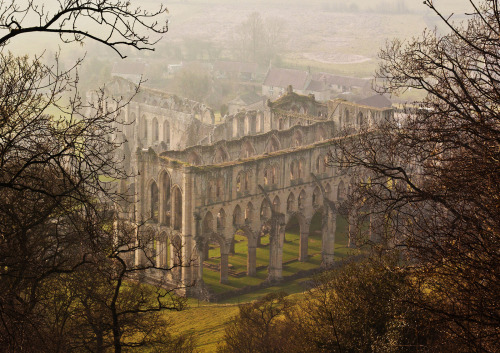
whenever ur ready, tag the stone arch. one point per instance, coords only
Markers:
(247, 149)
(177, 209)
(291, 206)
(221, 220)
(249, 212)
(166, 132)
(166, 202)
(237, 216)
(301, 201)
(361, 119)
(273, 144)
(207, 227)
(265, 210)
(316, 198)
(221, 155)
(297, 138)
(153, 201)
(155, 133)
(341, 191)
(328, 191)
(277, 204)
(144, 125)
(346, 114)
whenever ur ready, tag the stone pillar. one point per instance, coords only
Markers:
(252, 256)
(188, 227)
(224, 265)
(303, 245)
(328, 238)
(277, 236)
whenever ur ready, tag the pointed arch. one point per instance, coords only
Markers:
(249, 212)
(221, 155)
(155, 130)
(221, 220)
(316, 198)
(301, 202)
(290, 203)
(273, 144)
(247, 150)
(166, 131)
(153, 201)
(166, 202)
(265, 210)
(237, 216)
(341, 191)
(207, 227)
(277, 204)
(177, 209)
(297, 138)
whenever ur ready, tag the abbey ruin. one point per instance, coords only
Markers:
(199, 181)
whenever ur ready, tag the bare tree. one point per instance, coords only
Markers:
(431, 173)
(65, 280)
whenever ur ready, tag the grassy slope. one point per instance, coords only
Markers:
(207, 321)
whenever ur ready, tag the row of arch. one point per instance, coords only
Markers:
(165, 203)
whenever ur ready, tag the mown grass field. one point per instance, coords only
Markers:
(207, 321)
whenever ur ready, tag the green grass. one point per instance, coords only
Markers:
(238, 261)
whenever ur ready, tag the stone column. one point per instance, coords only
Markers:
(303, 245)
(328, 238)
(188, 227)
(252, 255)
(224, 264)
(277, 236)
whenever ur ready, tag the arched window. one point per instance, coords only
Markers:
(341, 192)
(208, 223)
(237, 220)
(265, 210)
(220, 155)
(249, 212)
(276, 204)
(166, 132)
(302, 199)
(290, 203)
(144, 124)
(273, 144)
(177, 196)
(361, 120)
(166, 200)
(316, 197)
(156, 130)
(238, 183)
(221, 219)
(297, 138)
(154, 206)
(247, 150)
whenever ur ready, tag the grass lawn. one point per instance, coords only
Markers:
(238, 261)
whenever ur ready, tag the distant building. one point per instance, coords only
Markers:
(377, 101)
(245, 71)
(248, 101)
(342, 84)
(277, 80)
(132, 71)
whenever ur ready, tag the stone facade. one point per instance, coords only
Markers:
(250, 174)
